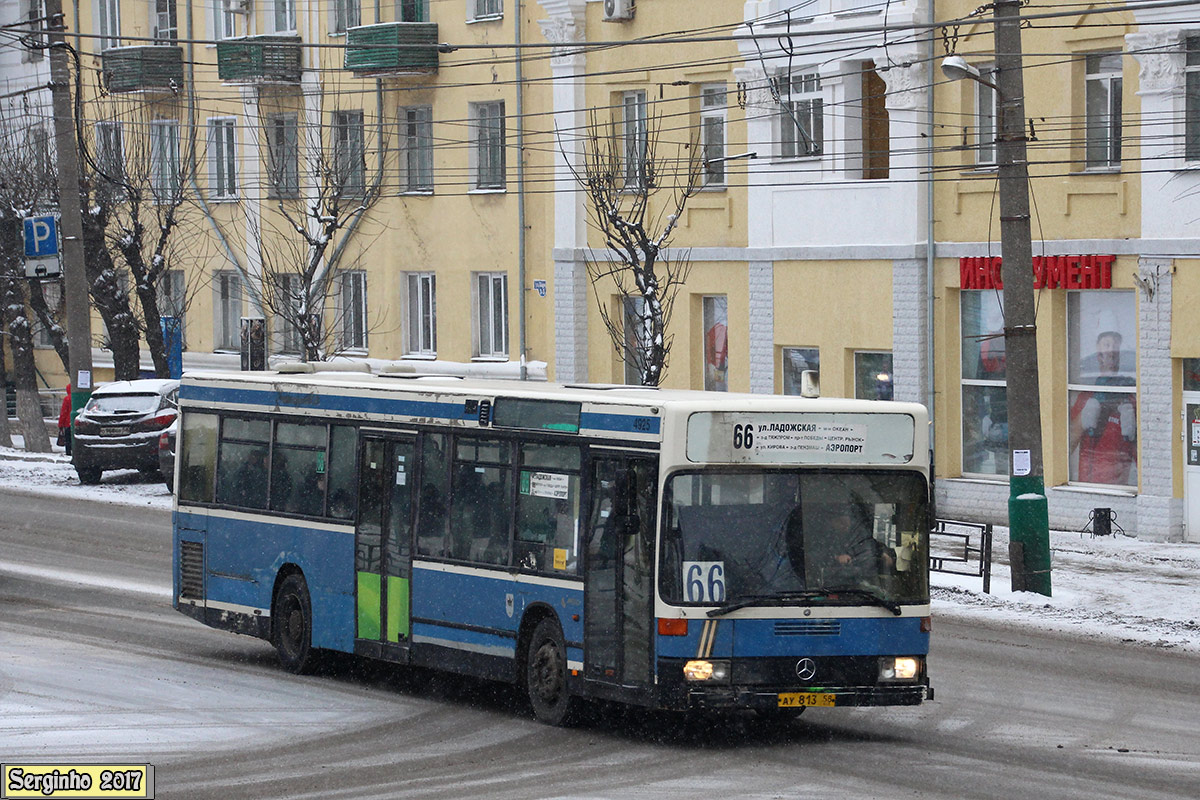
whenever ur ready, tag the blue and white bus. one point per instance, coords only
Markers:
(670, 549)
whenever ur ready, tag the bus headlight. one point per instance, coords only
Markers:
(706, 671)
(899, 669)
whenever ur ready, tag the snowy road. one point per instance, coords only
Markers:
(94, 664)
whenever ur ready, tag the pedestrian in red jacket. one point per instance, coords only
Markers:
(64, 421)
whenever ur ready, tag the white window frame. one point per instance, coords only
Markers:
(285, 336)
(987, 120)
(344, 15)
(489, 291)
(1191, 84)
(172, 299)
(714, 310)
(484, 10)
(164, 160)
(416, 149)
(635, 138)
(227, 311)
(30, 11)
(982, 384)
(801, 103)
(420, 330)
(488, 137)
(1102, 111)
(283, 16)
(110, 149)
(714, 99)
(164, 22)
(283, 156)
(222, 158)
(352, 310)
(53, 294)
(412, 10)
(108, 23)
(224, 20)
(350, 152)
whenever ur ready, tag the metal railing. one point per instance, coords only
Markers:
(962, 548)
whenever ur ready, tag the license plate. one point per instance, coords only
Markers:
(805, 699)
(122, 430)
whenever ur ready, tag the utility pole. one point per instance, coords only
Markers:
(79, 320)
(1028, 516)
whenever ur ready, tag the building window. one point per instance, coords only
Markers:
(285, 16)
(635, 144)
(872, 375)
(416, 149)
(488, 119)
(986, 116)
(108, 23)
(349, 152)
(53, 295)
(352, 310)
(713, 99)
(1102, 387)
(637, 335)
(984, 396)
(485, 9)
(414, 10)
(716, 343)
(224, 20)
(801, 115)
(222, 158)
(31, 11)
(491, 315)
(347, 14)
(164, 160)
(283, 155)
(166, 26)
(876, 125)
(227, 330)
(172, 298)
(422, 314)
(1191, 135)
(110, 151)
(1103, 99)
(289, 302)
(797, 361)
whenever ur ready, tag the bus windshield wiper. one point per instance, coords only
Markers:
(774, 599)
(874, 597)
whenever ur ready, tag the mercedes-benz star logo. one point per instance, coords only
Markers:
(806, 669)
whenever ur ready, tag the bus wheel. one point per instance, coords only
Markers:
(546, 675)
(292, 628)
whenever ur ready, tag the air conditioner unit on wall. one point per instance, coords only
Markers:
(618, 10)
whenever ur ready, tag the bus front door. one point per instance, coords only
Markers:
(619, 591)
(383, 554)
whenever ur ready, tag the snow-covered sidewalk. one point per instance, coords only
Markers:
(1113, 587)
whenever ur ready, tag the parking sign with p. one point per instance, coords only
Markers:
(41, 246)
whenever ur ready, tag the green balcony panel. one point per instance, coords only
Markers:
(153, 68)
(259, 59)
(394, 48)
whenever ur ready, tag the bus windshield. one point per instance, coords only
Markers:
(838, 537)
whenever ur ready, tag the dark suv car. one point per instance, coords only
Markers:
(120, 427)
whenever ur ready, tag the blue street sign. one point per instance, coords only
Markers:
(41, 237)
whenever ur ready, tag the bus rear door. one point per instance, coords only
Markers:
(383, 554)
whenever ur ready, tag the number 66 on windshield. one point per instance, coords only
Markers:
(704, 581)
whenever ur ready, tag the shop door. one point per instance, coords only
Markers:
(1191, 468)
(383, 551)
(619, 585)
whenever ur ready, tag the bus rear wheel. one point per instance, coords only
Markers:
(292, 627)
(546, 675)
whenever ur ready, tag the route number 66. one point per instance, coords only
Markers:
(743, 437)
(704, 581)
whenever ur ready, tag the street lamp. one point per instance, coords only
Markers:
(1028, 518)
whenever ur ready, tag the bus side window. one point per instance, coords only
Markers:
(198, 457)
(548, 509)
(342, 495)
(434, 493)
(482, 506)
(242, 462)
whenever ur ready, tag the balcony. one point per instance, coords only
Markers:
(259, 59)
(150, 68)
(393, 48)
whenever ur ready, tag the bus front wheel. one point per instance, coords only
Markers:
(546, 675)
(293, 625)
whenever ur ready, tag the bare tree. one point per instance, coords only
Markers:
(25, 177)
(321, 188)
(624, 173)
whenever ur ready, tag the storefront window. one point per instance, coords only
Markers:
(1191, 374)
(716, 344)
(984, 397)
(1102, 387)
(872, 376)
(797, 361)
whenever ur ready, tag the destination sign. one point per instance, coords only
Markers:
(735, 437)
